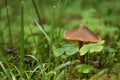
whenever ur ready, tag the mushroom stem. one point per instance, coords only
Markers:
(82, 58)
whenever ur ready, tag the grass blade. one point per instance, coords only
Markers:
(5, 71)
(9, 27)
(22, 41)
(41, 29)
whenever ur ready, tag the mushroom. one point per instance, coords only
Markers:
(83, 35)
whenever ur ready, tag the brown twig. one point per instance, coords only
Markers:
(37, 12)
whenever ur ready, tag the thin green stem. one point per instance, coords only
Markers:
(9, 27)
(42, 30)
(22, 41)
(38, 52)
(1, 42)
(51, 36)
(1, 53)
(1, 36)
(0, 13)
(66, 3)
(58, 9)
(36, 46)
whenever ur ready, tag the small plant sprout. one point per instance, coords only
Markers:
(83, 35)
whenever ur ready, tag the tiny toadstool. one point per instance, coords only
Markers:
(83, 35)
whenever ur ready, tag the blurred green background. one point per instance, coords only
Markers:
(101, 16)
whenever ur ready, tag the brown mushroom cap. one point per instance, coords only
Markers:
(82, 34)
